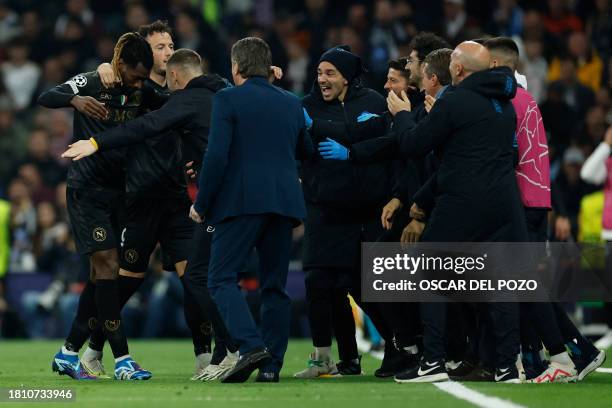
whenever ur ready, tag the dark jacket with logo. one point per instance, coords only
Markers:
(344, 199)
(104, 171)
(472, 129)
(172, 135)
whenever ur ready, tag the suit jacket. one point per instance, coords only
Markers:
(257, 132)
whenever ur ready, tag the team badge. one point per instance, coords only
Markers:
(99, 234)
(112, 325)
(131, 256)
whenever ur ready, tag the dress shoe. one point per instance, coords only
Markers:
(246, 364)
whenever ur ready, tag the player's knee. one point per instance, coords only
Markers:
(105, 264)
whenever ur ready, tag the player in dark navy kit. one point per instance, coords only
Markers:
(95, 198)
(157, 208)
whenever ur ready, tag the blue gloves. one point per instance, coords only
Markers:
(330, 149)
(307, 119)
(366, 116)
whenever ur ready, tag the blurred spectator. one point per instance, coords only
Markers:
(385, 37)
(58, 122)
(314, 22)
(507, 19)
(297, 74)
(20, 75)
(591, 132)
(599, 27)
(458, 26)
(34, 33)
(533, 29)
(358, 19)
(9, 22)
(590, 66)
(535, 68)
(75, 39)
(560, 20)
(136, 15)
(576, 95)
(105, 46)
(192, 32)
(13, 138)
(23, 227)
(570, 187)
(50, 240)
(75, 9)
(30, 175)
(52, 74)
(559, 118)
(39, 155)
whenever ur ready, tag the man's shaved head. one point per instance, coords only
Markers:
(467, 58)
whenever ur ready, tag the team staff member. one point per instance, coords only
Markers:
(95, 196)
(250, 191)
(343, 202)
(476, 196)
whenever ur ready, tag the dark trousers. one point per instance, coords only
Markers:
(502, 319)
(232, 242)
(329, 309)
(196, 283)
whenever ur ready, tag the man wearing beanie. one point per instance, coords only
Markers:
(343, 202)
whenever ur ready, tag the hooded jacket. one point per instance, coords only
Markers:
(473, 129)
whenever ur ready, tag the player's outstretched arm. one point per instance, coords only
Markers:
(174, 114)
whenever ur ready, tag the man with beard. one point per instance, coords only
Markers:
(476, 197)
(343, 202)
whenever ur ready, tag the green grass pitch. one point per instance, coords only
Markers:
(28, 364)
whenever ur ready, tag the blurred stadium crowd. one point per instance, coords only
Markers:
(565, 55)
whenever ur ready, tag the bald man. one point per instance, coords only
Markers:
(475, 192)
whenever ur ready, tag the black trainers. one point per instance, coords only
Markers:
(270, 377)
(586, 364)
(509, 375)
(464, 369)
(350, 367)
(424, 372)
(396, 361)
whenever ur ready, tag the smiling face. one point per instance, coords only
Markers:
(333, 85)
(163, 48)
(396, 82)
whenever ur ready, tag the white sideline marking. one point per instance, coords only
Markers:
(462, 392)
(459, 390)
(604, 370)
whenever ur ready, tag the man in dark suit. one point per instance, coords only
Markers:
(250, 192)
